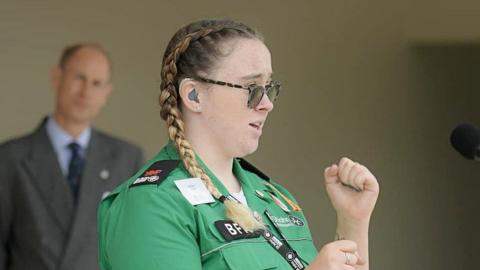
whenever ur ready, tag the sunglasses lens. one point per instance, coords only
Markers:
(256, 95)
(273, 91)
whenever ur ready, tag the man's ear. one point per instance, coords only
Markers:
(109, 88)
(189, 94)
(55, 77)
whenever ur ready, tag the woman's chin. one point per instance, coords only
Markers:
(248, 148)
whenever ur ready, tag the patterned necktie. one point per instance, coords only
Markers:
(75, 168)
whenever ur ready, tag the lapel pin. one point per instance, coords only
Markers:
(104, 174)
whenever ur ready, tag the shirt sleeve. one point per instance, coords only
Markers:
(146, 228)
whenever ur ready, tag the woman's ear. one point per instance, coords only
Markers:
(190, 95)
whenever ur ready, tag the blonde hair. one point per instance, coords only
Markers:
(193, 49)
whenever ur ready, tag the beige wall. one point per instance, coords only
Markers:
(359, 80)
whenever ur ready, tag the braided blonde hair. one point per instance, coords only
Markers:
(193, 49)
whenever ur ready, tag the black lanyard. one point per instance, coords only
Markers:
(289, 254)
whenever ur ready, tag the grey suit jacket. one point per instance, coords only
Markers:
(40, 226)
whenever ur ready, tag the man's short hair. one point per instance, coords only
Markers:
(70, 50)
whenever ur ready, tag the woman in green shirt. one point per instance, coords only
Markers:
(198, 204)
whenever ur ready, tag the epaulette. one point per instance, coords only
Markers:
(249, 167)
(156, 173)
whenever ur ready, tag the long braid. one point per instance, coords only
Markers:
(171, 113)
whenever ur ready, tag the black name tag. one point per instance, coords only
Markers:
(232, 231)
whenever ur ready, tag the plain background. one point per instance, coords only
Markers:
(383, 82)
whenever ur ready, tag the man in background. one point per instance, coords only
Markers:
(52, 180)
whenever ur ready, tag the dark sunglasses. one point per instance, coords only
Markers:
(255, 92)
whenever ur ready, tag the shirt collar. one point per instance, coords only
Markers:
(60, 138)
(249, 185)
(173, 154)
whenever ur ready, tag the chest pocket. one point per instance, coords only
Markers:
(251, 256)
(237, 251)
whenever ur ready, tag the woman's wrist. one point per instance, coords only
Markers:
(357, 231)
(351, 229)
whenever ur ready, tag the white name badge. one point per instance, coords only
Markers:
(194, 191)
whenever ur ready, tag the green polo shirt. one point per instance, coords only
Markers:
(153, 226)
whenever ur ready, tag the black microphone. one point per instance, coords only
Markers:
(465, 138)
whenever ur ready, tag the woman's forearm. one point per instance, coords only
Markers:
(356, 231)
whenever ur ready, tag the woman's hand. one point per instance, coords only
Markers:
(353, 190)
(337, 255)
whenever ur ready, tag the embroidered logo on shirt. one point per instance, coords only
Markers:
(295, 220)
(143, 179)
(152, 172)
(156, 173)
(232, 231)
(287, 221)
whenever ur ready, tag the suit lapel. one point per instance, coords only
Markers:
(44, 170)
(93, 184)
